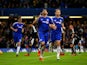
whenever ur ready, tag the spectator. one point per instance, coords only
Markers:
(43, 3)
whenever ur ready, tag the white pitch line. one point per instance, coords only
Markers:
(49, 56)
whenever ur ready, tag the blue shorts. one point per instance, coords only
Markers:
(17, 38)
(56, 36)
(43, 37)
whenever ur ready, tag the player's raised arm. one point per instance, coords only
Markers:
(35, 21)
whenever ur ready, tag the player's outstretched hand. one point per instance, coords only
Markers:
(15, 30)
(53, 26)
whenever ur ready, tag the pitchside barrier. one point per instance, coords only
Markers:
(35, 50)
(36, 11)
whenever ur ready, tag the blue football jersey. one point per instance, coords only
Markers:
(18, 26)
(43, 23)
(58, 23)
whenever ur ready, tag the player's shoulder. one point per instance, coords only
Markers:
(53, 17)
(15, 23)
(61, 17)
(22, 23)
(48, 17)
(40, 18)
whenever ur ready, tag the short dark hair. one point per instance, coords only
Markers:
(18, 17)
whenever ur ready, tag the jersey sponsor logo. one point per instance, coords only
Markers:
(58, 22)
(20, 26)
(45, 22)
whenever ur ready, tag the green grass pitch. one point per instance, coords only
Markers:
(49, 59)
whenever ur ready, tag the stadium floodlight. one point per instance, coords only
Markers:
(75, 17)
(4, 17)
(27, 17)
(23, 17)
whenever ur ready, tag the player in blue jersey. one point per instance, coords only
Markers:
(44, 23)
(56, 35)
(17, 28)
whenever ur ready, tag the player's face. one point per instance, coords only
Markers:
(44, 12)
(20, 19)
(71, 27)
(57, 12)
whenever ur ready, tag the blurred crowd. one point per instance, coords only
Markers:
(80, 29)
(6, 40)
(43, 3)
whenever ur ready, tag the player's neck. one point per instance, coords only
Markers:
(19, 22)
(44, 15)
(58, 16)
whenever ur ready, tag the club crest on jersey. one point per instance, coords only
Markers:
(47, 19)
(60, 20)
(41, 19)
